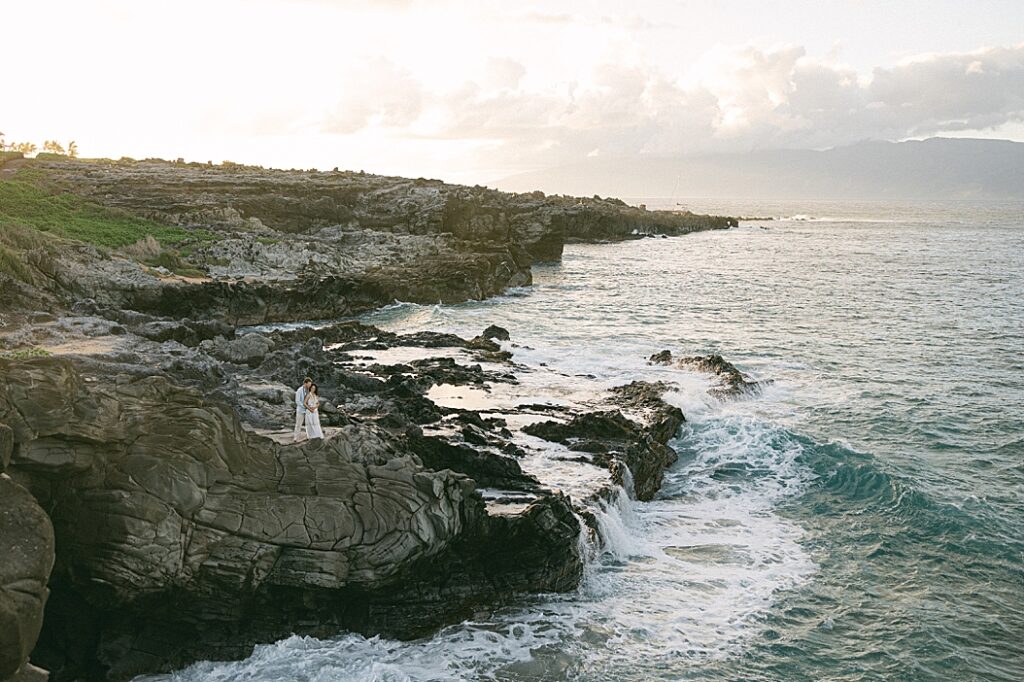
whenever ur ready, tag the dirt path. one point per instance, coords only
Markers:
(99, 345)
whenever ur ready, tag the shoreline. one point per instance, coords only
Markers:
(149, 437)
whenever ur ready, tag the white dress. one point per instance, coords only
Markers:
(313, 429)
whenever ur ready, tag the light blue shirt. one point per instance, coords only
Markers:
(300, 399)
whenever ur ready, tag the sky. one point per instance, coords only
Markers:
(475, 91)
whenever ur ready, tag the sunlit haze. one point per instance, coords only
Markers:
(476, 91)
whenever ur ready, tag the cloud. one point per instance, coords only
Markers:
(733, 99)
(375, 93)
(633, 22)
(503, 72)
(953, 91)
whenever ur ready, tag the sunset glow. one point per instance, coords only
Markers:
(476, 91)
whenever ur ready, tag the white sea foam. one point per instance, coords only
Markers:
(686, 576)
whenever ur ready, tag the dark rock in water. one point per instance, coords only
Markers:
(181, 536)
(486, 468)
(608, 426)
(734, 382)
(622, 441)
(27, 548)
(644, 398)
(496, 332)
(661, 358)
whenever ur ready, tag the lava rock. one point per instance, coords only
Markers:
(27, 548)
(496, 332)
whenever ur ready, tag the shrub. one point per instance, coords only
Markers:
(24, 353)
(13, 266)
(6, 156)
(22, 237)
(146, 248)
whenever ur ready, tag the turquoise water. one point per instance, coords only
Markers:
(862, 519)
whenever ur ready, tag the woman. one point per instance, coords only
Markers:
(313, 429)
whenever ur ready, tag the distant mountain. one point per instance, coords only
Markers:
(937, 168)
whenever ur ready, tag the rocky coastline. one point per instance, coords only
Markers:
(156, 511)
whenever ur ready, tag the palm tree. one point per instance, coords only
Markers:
(73, 149)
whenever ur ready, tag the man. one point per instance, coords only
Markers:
(300, 407)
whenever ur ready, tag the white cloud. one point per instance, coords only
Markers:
(375, 94)
(450, 88)
(733, 99)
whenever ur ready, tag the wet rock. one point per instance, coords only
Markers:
(619, 442)
(733, 382)
(644, 399)
(605, 426)
(486, 468)
(496, 332)
(661, 358)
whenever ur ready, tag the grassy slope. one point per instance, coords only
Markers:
(35, 214)
(29, 201)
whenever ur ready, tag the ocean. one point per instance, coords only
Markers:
(862, 518)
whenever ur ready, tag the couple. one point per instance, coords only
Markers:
(307, 404)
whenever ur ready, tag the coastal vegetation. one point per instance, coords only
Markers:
(35, 213)
(51, 148)
(29, 200)
(24, 353)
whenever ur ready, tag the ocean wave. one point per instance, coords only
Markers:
(803, 218)
(898, 510)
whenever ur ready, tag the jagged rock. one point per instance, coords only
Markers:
(184, 536)
(486, 468)
(6, 446)
(496, 332)
(661, 358)
(607, 426)
(27, 548)
(620, 441)
(733, 381)
(645, 399)
(248, 349)
(186, 332)
(305, 245)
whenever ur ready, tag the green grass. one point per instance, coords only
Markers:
(15, 239)
(23, 354)
(26, 200)
(174, 262)
(5, 156)
(13, 265)
(35, 214)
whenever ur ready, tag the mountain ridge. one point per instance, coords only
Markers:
(958, 168)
